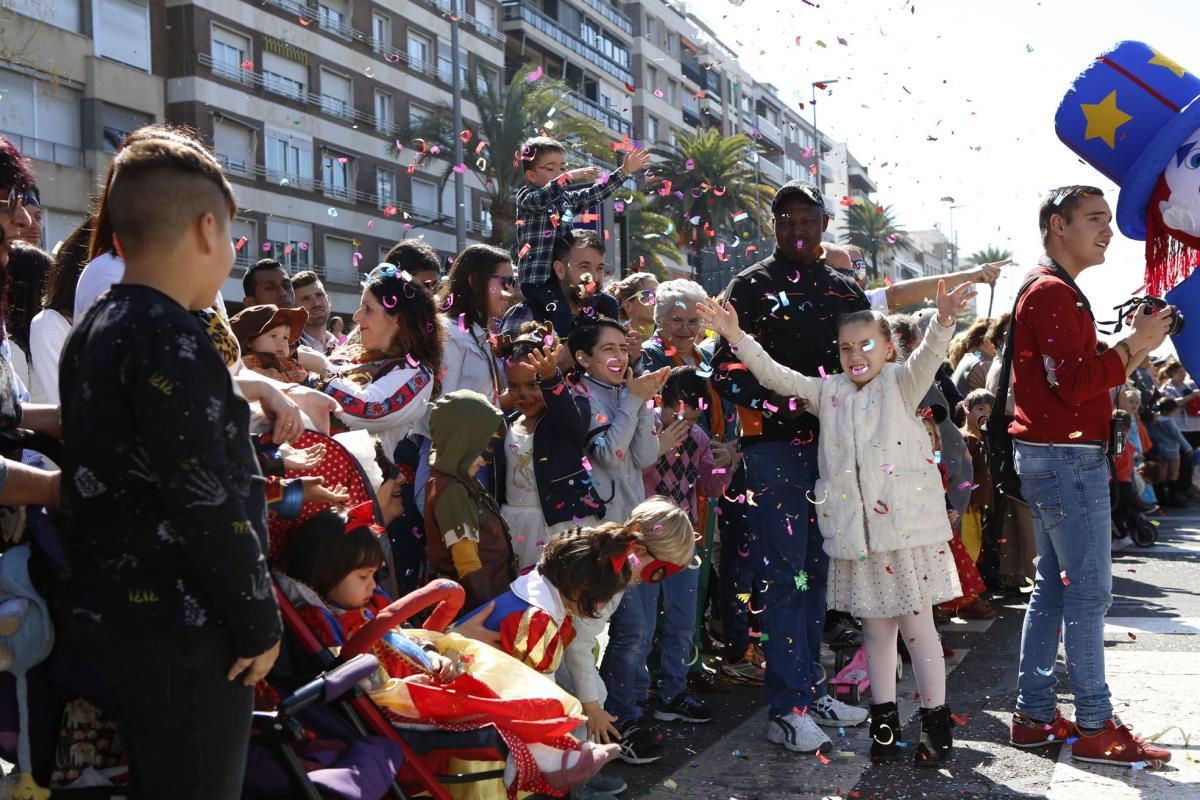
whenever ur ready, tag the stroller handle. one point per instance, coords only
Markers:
(330, 685)
(448, 595)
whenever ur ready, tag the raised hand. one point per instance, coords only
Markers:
(722, 319)
(302, 460)
(648, 384)
(636, 161)
(949, 304)
(545, 361)
(988, 273)
(582, 174)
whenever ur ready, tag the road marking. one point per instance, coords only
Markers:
(1122, 626)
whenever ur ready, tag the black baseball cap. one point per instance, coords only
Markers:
(798, 188)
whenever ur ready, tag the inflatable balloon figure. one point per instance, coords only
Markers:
(1134, 114)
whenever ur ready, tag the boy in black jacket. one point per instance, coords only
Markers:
(164, 502)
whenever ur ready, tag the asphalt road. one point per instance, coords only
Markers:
(1153, 671)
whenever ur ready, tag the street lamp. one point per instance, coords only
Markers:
(456, 89)
(953, 239)
(817, 131)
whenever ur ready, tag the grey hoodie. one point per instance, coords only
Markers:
(621, 442)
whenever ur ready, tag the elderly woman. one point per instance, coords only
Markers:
(676, 326)
(636, 296)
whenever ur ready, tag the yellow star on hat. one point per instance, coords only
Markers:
(1163, 61)
(1103, 119)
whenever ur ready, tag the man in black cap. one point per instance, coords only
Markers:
(790, 302)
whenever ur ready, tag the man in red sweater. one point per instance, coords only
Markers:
(1060, 425)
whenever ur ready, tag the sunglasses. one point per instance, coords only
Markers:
(18, 197)
(506, 281)
(646, 297)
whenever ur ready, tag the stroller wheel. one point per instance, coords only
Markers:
(1145, 533)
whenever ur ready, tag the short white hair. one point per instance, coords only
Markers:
(679, 292)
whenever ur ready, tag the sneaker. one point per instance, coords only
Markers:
(638, 745)
(602, 786)
(1025, 731)
(684, 707)
(747, 668)
(706, 680)
(1117, 744)
(798, 733)
(833, 713)
(1124, 543)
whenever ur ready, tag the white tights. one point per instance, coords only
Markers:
(925, 647)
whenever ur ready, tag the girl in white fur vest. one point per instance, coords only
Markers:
(879, 502)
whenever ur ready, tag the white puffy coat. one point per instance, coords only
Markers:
(879, 488)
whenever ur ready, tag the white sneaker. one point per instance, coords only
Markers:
(833, 713)
(1124, 543)
(798, 733)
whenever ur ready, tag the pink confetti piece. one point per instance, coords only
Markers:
(460, 168)
(587, 465)
(822, 373)
(535, 75)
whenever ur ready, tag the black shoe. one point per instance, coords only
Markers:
(638, 745)
(684, 707)
(936, 745)
(885, 733)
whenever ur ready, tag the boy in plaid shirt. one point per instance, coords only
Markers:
(546, 209)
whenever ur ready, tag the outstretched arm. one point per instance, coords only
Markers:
(919, 290)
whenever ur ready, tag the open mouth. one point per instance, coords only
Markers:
(861, 369)
(615, 366)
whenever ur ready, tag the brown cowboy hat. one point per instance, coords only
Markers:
(254, 321)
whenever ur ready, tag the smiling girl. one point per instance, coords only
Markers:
(879, 501)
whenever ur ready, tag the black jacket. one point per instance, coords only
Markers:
(792, 311)
(563, 483)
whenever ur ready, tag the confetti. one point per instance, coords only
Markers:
(1066, 581)
(535, 75)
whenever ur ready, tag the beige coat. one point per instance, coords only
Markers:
(880, 488)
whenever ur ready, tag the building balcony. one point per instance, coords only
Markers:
(612, 15)
(518, 12)
(769, 130)
(860, 181)
(275, 84)
(62, 154)
(606, 116)
(770, 172)
(310, 17)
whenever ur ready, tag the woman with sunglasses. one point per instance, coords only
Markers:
(636, 297)
(16, 185)
(478, 291)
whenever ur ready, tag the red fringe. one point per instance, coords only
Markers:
(1170, 256)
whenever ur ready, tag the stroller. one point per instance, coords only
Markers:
(456, 743)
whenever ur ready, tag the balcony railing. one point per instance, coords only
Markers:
(612, 15)
(483, 28)
(45, 150)
(518, 10)
(599, 113)
(277, 84)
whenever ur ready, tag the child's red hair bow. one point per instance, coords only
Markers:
(362, 515)
(618, 561)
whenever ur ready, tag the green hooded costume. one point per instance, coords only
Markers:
(466, 537)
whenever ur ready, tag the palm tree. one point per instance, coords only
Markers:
(874, 229)
(652, 243)
(522, 109)
(712, 189)
(990, 255)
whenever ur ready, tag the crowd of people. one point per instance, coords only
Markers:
(721, 485)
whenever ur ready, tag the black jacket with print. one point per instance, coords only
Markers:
(165, 520)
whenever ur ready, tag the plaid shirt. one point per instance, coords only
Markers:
(543, 214)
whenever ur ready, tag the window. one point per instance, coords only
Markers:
(59, 224)
(445, 63)
(229, 52)
(245, 232)
(652, 29)
(425, 197)
(44, 117)
(290, 243)
(672, 92)
(117, 123)
(289, 160)
(334, 16)
(339, 258)
(381, 33)
(420, 52)
(418, 115)
(337, 174)
(385, 187)
(234, 144)
(651, 130)
(485, 77)
(284, 76)
(385, 118)
(485, 218)
(122, 32)
(485, 15)
(651, 78)
(337, 96)
(60, 13)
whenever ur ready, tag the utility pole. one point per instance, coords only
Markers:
(456, 89)
(817, 134)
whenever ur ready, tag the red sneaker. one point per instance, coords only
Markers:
(1117, 744)
(1027, 732)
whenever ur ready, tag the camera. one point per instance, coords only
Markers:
(1135, 304)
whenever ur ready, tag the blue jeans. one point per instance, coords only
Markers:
(782, 476)
(624, 666)
(1067, 491)
(675, 635)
